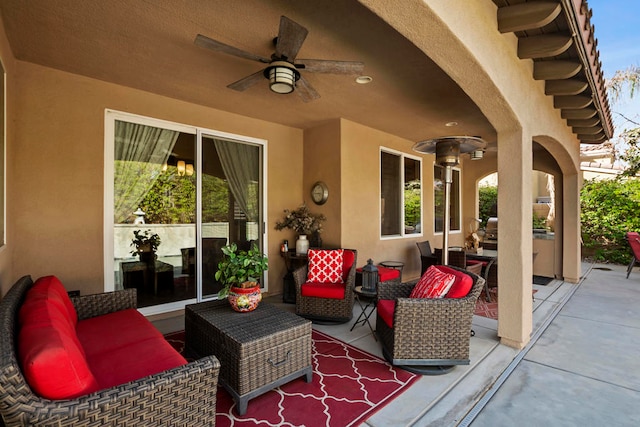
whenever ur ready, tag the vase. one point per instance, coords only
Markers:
(147, 257)
(244, 300)
(302, 245)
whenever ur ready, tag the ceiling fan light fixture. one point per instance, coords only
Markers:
(282, 77)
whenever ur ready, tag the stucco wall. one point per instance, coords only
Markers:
(9, 64)
(56, 193)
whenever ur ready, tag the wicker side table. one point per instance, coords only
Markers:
(258, 351)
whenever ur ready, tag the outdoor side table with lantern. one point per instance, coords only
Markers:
(367, 290)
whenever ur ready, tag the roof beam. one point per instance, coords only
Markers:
(543, 46)
(591, 138)
(527, 16)
(588, 131)
(565, 87)
(555, 70)
(572, 102)
(585, 113)
(593, 121)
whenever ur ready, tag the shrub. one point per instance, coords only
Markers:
(609, 209)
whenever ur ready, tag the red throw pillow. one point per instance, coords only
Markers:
(325, 266)
(433, 284)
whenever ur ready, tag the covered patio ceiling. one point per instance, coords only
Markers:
(151, 47)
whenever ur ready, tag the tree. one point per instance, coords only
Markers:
(627, 82)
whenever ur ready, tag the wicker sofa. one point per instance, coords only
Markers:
(428, 336)
(181, 395)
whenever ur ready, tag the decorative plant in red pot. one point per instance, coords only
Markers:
(240, 272)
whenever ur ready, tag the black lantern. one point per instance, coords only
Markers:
(369, 277)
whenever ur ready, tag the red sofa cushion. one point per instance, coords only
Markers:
(323, 290)
(53, 363)
(111, 331)
(134, 361)
(386, 308)
(461, 286)
(51, 290)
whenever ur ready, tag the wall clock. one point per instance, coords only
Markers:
(319, 193)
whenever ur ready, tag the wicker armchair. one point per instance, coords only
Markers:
(427, 257)
(329, 310)
(429, 336)
(185, 395)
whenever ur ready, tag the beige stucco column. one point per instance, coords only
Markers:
(515, 161)
(571, 253)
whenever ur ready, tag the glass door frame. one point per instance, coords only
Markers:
(108, 245)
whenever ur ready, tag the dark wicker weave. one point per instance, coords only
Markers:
(185, 395)
(326, 309)
(428, 331)
(258, 350)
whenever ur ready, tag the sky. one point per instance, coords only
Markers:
(618, 32)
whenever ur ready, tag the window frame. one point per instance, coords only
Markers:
(454, 170)
(110, 118)
(401, 158)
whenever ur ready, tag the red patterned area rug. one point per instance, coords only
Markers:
(349, 385)
(486, 308)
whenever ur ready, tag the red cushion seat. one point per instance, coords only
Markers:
(323, 290)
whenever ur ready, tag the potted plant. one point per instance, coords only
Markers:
(145, 244)
(239, 272)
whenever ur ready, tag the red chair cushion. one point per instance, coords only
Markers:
(385, 273)
(386, 308)
(461, 286)
(325, 266)
(323, 290)
(349, 258)
(433, 284)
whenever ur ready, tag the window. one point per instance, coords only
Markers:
(196, 189)
(438, 199)
(400, 194)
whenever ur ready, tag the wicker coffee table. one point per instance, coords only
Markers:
(258, 351)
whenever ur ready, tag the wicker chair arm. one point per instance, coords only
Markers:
(88, 306)
(300, 275)
(185, 395)
(388, 290)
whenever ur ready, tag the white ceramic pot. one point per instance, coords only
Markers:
(302, 245)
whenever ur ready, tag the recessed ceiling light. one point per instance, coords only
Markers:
(451, 124)
(363, 80)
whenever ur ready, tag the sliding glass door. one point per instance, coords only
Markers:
(187, 192)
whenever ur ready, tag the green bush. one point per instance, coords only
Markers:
(487, 201)
(609, 209)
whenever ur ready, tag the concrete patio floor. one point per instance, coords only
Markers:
(582, 366)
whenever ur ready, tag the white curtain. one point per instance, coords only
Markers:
(241, 164)
(140, 152)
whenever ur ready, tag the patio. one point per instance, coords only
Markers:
(585, 341)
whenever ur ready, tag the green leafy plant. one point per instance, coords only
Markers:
(240, 266)
(144, 241)
(609, 208)
(538, 222)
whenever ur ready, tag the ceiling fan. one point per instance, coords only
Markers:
(283, 69)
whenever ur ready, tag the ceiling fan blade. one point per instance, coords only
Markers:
(247, 82)
(305, 90)
(206, 42)
(332, 67)
(290, 38)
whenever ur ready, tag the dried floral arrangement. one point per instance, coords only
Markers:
(301, 221)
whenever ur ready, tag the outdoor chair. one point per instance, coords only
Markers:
(427, 335)
(634, 241)
(458, 258)
(326, 300)
(427, 258)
